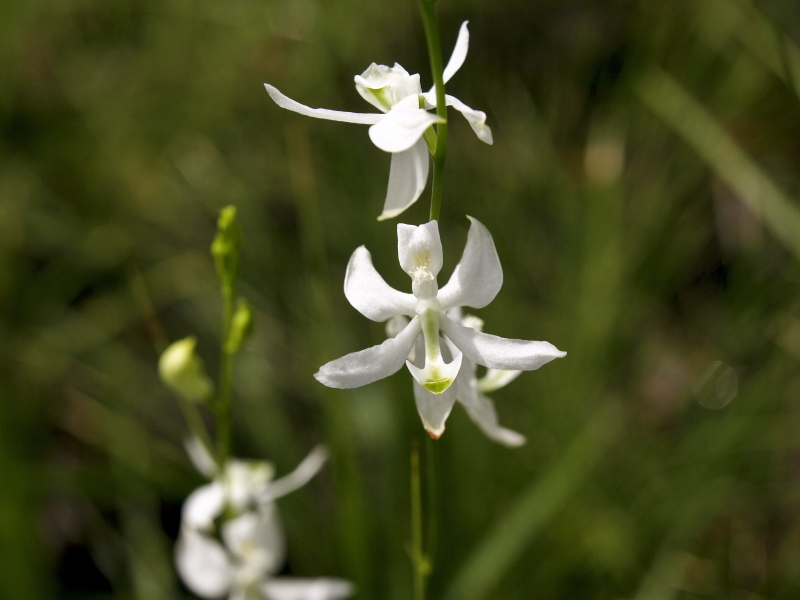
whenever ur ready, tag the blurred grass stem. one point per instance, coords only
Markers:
(225, 379)
(536, 506)
(429, 21)
(699, 129)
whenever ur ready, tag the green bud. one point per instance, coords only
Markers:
(241, 326)
(182, 371)
(225, 247)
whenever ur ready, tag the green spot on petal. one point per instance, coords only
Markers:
(437, 386)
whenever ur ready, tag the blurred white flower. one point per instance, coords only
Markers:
(403, 119)
(231, 541)
(438, 342)
(467, 389)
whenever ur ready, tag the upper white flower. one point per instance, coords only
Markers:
(403, 119)
(475, 282)
(467, 389)
(231, 541)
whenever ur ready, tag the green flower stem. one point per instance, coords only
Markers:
(223, 407)
(419, 561)
(432, 506)
(428, 9)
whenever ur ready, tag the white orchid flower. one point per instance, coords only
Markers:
(231, 541)
(467, 389)
(403, 120)
(443, 342)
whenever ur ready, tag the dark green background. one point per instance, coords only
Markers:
(663, 459)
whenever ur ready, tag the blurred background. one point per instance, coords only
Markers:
(643, 193)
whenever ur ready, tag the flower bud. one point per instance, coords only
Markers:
(241, 327)
(225, 247)
(182, 371)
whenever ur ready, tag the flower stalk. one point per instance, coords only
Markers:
(225, 250)
(419, 560)
(431, 25)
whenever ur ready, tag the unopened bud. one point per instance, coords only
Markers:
(241, 326)
(225, 247)
(182, 371)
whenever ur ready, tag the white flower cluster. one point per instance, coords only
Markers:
(231, 541)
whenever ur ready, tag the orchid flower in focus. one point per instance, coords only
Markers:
(403, 120)
(467, 389)
(439, 343)
(231, 541)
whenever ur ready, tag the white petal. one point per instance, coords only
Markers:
(202, 564)
(496, 379)
(407, 178)
(433, 409)
(475, 118)
(366, 366)
(200, 456)
(299, 477)
(256, 539)
(402, 126)
(322, 113)
(295, 588)
(459, 53)
(478, 276)
(481, 410)
(418, 246)
(203, 506)
(369, 294)
(497, 352)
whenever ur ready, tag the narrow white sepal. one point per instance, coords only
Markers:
(296, 588)
(475, 118)
(200, 456)
(481, 410)
(363, 367)
(459, 53)
(478, 276)
(497, 352)
(322, 113)
(408, 176)
(434, 409)
(304, 472)
(496, 379)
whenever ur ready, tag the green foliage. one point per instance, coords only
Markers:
(643, 196)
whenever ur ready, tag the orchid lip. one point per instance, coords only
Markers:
(436, 376)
